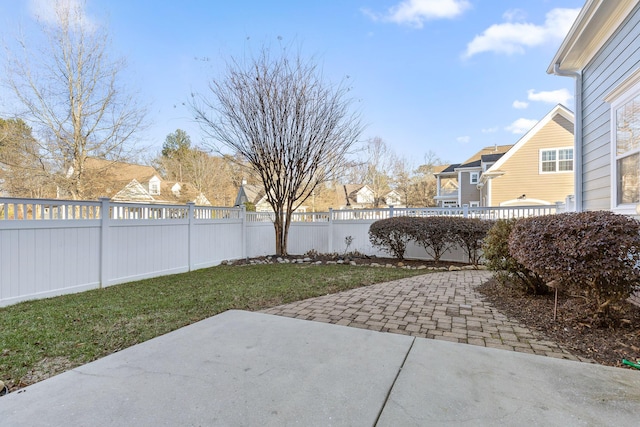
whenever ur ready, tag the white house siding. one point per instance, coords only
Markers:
(618, 58)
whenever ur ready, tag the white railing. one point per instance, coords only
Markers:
(51, 247)
(47, 209)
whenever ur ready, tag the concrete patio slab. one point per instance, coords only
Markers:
(448, 384)
(253, 369)
(237, 368)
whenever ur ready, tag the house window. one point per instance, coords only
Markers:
(474, 177)
(449, 204)
(154, 187)
(556, 160)
(474, 204)
(626, 147)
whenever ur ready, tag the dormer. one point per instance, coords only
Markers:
(176, 189)
(154, 186)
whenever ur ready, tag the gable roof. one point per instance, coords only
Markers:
(450, 169)
(123, 181)
(557, 110)
(133, 192)
(476, 159)
(251, 193)
(121, 171)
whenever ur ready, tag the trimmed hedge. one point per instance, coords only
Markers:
(507, 270)
(433, 234)
(392, 235)
(436, 235)
(595, 254)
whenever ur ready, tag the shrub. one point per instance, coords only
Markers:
(433, 234)
(392, 235)
(469, 233)
(495, 250)
(596, 254)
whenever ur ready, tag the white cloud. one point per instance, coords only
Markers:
(513, 37)
(514, 15)
(521, 126)
(520, 105)
(463, 139)
(490, 130)
(560, 96)
(415, 12)
(48, 11)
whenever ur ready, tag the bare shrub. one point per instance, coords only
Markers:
(469, 234)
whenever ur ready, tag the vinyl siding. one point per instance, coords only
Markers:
(522, 169)
(468, 192)
(617, 59)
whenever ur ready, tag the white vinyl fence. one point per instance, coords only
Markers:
(52, 247)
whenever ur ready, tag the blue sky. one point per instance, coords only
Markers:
(450, 76)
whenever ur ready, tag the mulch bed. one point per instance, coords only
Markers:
(607, 343)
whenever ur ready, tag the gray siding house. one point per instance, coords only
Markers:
(602, 53)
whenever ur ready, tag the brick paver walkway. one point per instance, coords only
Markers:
(441, 305)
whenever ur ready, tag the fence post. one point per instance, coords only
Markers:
(243, 231)
(330, 231)
(390, 211)
(105, 218)
(465, 211)
(191, 234)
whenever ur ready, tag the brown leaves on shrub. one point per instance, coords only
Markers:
(595, 254)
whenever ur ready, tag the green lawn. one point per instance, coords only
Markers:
(42, 338)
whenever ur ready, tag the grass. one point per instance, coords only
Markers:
(42, 338)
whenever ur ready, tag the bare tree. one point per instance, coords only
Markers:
(22, 171)
(374, 168)
(424, 182)
(71, 98)
(403, 180)
(294, 129)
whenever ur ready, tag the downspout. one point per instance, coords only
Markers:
(577, 132)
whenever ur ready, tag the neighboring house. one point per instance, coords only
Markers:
(359, 196)
(447, 188)
(458, 184)
(257, 196)
(602, 53)
(128, 182)
(537, 170)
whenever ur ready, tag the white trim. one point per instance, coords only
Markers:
(471, 175)
(474, 204)
(597, 22)
(557, 160)
(624, 87)
(623, 93)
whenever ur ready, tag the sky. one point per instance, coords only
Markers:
(446, 76)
